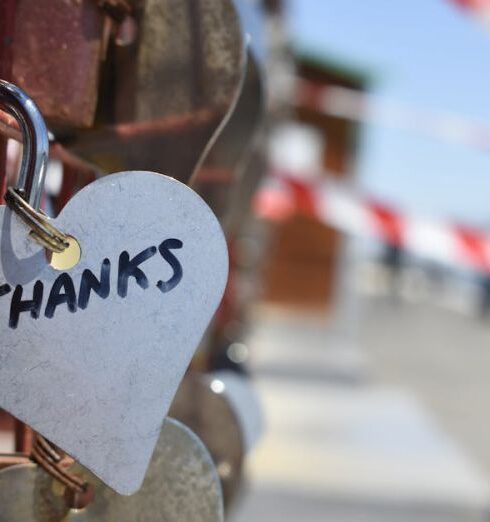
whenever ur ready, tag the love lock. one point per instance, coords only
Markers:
(229, 193)
(224, 410)
(181, 486)
(174, 89)
(97, 335)
(209, 414)
(245, 402)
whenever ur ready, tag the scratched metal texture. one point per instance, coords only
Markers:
(57, 55)
(99, 382)
(245, 402)
(181, 486)
(224, 180)
(187, 64)
(211, 417)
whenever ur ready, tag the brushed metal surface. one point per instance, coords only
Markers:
(209, 414)
(98, 380)
(188, 63)
(181, 486)
(244, 400)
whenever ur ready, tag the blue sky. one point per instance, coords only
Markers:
(423, 52)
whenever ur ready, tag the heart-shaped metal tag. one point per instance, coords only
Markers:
(91, 357)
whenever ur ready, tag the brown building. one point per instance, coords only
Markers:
(302, 262)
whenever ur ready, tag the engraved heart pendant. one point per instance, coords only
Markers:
(91, 356)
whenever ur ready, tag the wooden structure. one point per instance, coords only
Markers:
(301, 265)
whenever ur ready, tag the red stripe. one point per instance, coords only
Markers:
(304, 198)
(388, 222)
(303, 194)
(473, 4)
(272, 204)
(472, 246)
(309, 94)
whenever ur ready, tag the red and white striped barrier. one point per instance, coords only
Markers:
(283, 195)
(354, 105)
(480, 8)
(350, 104)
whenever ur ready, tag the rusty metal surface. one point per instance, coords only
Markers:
(181, 486)
(168, 145)
(209, 414)
(7, 24)
(57, 57)
(170, 94)
(9, 129)
(189, 60)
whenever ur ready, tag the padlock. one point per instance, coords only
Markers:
(57, 52)
(211, 416)
(223, 179)
(102, 314)
(224, 410)
(173, 89)
(35, 152)
(181, 485)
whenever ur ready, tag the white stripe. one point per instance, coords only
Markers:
(431, 239)
(341, 210)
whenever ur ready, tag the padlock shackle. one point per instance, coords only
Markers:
(36, 143)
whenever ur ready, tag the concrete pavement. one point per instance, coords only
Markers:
(355, 432)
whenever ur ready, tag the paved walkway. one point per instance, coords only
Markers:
(370, 433)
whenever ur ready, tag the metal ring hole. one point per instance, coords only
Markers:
(67, 259)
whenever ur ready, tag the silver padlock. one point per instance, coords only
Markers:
(25, 198)
(181, 486)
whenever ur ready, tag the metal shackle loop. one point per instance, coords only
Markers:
(25, 199)
(36, 144)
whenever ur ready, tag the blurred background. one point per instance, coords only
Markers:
(369, 340)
